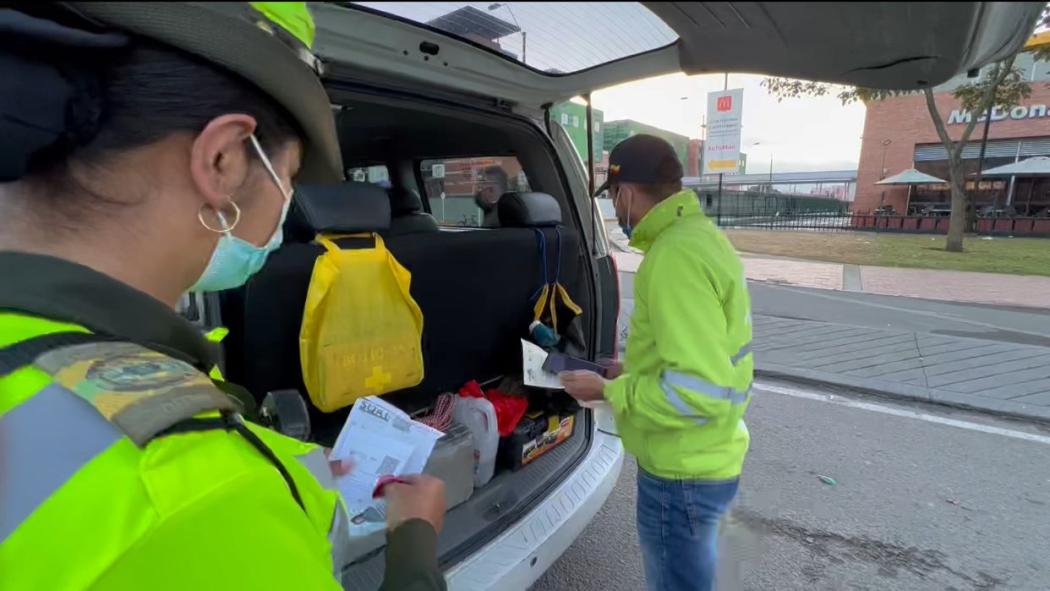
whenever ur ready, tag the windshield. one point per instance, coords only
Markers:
(552, 37)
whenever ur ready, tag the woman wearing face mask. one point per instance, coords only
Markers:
(133, 168)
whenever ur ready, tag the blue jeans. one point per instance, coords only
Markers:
(678, 528)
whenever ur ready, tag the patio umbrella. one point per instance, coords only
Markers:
(911, 177)
(1037, 166)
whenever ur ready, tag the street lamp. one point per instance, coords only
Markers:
(497, 5)
(882, 173)
(758, 143)
(885, 144)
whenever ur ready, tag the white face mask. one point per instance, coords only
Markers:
(235, 260)
(625, 224)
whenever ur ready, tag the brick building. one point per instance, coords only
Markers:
(694, 158)
(898, 134)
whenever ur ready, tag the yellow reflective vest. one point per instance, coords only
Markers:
(680, 402)
(84, 507)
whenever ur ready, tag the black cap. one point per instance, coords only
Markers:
(644, 159)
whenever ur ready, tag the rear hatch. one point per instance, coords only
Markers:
(533, 53)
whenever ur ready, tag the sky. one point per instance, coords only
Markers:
(799, 134)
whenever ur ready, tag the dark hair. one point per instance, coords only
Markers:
(147, 93)
(498, 175)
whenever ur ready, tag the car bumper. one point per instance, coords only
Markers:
(517, 558)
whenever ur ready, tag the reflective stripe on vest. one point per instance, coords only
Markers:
(743, 352)
(43, 442)
(339, 530)
(688, 382)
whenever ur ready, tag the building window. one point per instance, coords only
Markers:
(575, 121)
(597, 127)
(565, 119)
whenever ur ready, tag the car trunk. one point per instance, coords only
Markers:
(475, 287)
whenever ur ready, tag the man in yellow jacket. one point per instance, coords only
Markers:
(685, 384)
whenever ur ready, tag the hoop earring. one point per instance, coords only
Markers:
(222, 218)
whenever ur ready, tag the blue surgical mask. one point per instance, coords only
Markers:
(235, 260)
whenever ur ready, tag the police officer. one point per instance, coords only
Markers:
(686, 381)
(147, 149)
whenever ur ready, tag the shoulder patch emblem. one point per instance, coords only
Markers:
(112, 376)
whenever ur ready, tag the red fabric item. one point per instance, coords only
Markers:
(509, 410)
(471, 389)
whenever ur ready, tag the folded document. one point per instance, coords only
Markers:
(379, 439)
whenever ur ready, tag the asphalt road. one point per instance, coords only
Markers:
(918, 504)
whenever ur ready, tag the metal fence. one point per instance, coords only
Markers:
(778, 211)
(861, 222)
(759, 204)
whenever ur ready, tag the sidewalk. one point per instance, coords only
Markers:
(955, 286)
(985, 375)
(992, 376)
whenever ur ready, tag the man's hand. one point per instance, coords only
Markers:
(613, 368)
(585, 386)
(419, 497)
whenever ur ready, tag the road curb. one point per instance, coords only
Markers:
(881, 388)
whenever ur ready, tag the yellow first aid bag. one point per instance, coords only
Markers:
(362, 331)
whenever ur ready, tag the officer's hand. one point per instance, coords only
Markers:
(613, 368)
(420, 497)
(585, 386)
(339, 467)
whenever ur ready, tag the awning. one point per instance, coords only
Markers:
(1037, 166)
(911, 177)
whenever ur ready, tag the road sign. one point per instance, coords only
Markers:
(722, 145)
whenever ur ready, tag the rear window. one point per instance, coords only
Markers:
(552, 37)
(465, 192)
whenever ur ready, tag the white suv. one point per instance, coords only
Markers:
(446, 108)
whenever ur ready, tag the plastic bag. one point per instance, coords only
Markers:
(361, 333)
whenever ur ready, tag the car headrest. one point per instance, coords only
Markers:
(343, 208)
(404, 201)
(528, 210)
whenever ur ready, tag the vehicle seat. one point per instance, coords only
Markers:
(406, 207)
(475, 289)
(265, 316)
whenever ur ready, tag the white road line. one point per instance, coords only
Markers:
(900, 412)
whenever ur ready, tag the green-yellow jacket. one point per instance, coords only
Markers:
(96, 494)
(680, 402)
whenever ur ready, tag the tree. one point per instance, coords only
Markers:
(1002, 85)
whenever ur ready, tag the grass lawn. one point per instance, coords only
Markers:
(1019, 256)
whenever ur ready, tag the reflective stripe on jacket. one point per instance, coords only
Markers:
(680, 403)
(84, 507)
